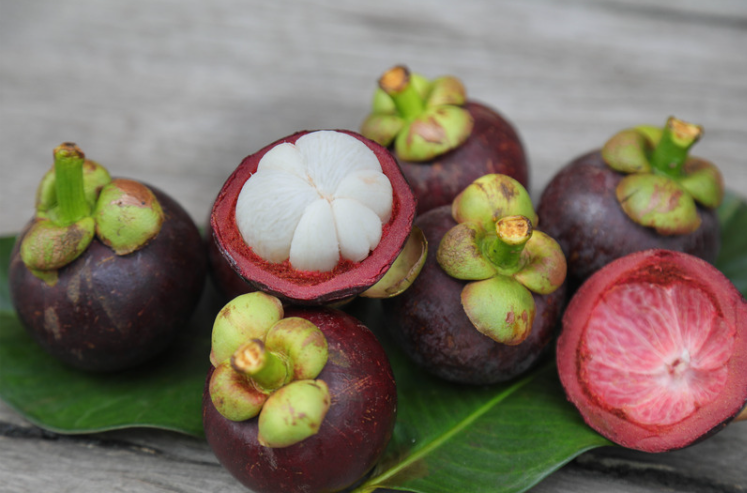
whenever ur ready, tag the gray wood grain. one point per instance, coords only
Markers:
(177, 93)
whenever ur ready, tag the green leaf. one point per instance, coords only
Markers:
(503, 438)
(166, 394)
(732, 258)
(500, 438)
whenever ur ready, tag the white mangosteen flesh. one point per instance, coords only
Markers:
(315, 202)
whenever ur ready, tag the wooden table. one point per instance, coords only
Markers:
(177, 93)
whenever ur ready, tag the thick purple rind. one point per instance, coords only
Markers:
(430, 325)
(353, 435)
(494, 146)
(109, 312)
(580, 210)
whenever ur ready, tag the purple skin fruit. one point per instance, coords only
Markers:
(493, 147)
(352, 436)
(580, 211)
(431, 326)
(110, 312)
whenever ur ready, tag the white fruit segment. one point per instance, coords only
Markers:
(656, 353)
(315, 201)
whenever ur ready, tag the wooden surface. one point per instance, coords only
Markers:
(176, 93)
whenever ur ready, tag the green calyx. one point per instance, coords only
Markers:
(422, 119)
(663, 183)
(75, 202)
(496, 246)
(264, 365)
(404, 270)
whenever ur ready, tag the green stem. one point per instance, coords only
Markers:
(68, 169)
(671, 152)
(506, 248)
(396, 83)
(265, 368)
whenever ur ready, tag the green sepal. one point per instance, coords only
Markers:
(545, 267)
(47, 246)
(703, 181)
(446, 90)
(490, 198)
(293, 413)
(404, 270)
(422, 119)
(95, 177)
(234, 395)
(658, 202)
(460, 253)
(382, 128)
(127, 215)
(501, 308)
(301, 343)
(628, 151)
(651, 132)
(248, 316)
(436, 131)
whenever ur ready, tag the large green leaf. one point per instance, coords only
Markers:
(447, 438)
(500, 438)
(732, 258)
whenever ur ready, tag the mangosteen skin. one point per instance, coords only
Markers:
(353, 435)
(226, 281)
(580, 210)
(493, 146)
(430, 325)
(108, 312)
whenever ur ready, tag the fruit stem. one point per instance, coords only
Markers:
(265, 368)
(396, 83)
(671, 152)
(68, 169)
(505, 251)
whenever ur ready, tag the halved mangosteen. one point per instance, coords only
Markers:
(317, 218)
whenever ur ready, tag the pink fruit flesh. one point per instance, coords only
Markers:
(654, 350)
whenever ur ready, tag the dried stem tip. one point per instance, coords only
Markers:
(514, 230)
(395, 80)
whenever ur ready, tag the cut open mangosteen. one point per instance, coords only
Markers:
(653, 350)
(316, 217)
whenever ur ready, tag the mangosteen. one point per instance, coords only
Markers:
(640, 191)
(108, 271)
(653, 350)
(297, 400)
(486, 303)
(318, 218)
(442, 140)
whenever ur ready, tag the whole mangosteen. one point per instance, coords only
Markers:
(301, 400)
(317, 218)
(108, 271)
(442, 140)
(486, 303)
(640, 191)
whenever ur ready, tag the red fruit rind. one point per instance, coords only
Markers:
(348, 278)
(653, 351)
